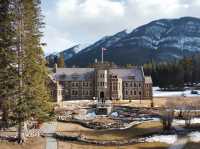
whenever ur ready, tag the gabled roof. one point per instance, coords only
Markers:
(67, 74)
(124, 74)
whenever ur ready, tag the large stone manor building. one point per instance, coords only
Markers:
(101, 81)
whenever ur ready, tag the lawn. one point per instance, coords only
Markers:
(69, 145)
(135, 131)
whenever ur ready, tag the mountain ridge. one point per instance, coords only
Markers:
(159, 40)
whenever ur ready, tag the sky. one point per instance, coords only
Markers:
(72, 22)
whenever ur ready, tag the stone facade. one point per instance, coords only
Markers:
(101, 81)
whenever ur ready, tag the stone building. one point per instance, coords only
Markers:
(101, 81)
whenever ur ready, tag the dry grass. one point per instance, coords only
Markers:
(69, 145)
(34, 143)
(158, 101)
(139, 130)
(162, 101)
(8, 133)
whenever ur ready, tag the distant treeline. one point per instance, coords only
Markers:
(176, 74)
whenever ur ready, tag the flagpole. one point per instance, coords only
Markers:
(102, 55)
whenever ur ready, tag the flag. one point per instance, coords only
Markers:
(102, 53)
(104, 49)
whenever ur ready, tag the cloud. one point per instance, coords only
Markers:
(56, 40)
(72, 22)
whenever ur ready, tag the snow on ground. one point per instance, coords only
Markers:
(169, 139)
(187, 93)
(114, 114)
(194, 136)
(182, 122)
(146, 119)
(91, 115)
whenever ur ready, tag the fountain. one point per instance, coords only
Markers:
(103, 106)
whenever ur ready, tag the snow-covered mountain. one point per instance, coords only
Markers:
(68, 53)
(160, 40)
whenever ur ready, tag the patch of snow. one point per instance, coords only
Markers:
(160, 23)
(91, 115)
(129, 30)
(169, 139)
(194, 136)
(80, 47)
(195, 121)
(182, 122)
(178, 122)
(158, 93)
(146, 119)
(114, 114)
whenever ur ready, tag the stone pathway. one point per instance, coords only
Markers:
(48, 129)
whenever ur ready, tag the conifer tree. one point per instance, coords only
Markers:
(61, 61)
(8, 77)
(32, 98)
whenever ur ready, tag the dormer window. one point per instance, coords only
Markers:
(75, 76)
(62, 76)
(131, 77)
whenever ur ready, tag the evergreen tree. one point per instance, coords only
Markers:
(32, 97)
(173, 75)
(61, 61)
(8, 73)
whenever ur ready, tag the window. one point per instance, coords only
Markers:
(74, 92)
(126, 92)
(135, 85)
(140, 93)
(131, 77)
(147, 93)
(126, 84)
(135, 93)
(139, 84)
(102, 75)
(131, 93)
(86, 93)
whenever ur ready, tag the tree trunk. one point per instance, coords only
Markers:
(19, 133)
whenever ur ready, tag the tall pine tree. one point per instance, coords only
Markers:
(8, 72)
(33, 94)
(22, 65)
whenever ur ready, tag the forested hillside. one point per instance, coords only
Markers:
(174, 75)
